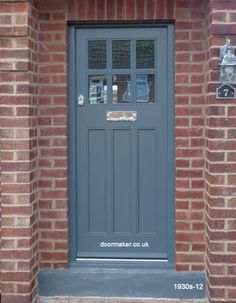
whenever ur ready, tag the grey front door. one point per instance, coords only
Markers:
(122, 143)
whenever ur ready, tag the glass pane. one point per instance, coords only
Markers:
(145, 88)
(121, 88)
(97, 54)
(145, 50)
(120, 54)
(97, 86)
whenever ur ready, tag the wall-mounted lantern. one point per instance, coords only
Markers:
(227, 72)
(227, 64)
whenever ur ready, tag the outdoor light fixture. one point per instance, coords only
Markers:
(227, 72)
(227, 64)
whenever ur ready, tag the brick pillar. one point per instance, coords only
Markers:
(52, 144)
(18, 106)
(220, 172)
(189, 123)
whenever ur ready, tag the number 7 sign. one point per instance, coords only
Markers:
(225, 91)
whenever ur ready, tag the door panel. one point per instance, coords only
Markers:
(97, 180)
(147, 180)
(121, 178)
(122, 159)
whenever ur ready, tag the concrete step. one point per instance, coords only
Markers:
(100, 285)
(114, 300)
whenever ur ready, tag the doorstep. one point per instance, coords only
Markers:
(120, 285)
(114, 300)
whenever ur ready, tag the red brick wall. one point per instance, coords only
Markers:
(18, 99)
(220, 173)
(52, 110)
(190, 163)
(34, 142)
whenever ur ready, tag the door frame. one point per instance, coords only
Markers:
(71, 114)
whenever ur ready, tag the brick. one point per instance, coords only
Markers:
(215, 156)
(191, 25)
(170, 12)
(52, 27)
(232, 133)
(217, 292)
(217, 236)
(187, 258)
(100, 9)
(188, 111)
(182, 57)
(55, 48)
(231, 270)
(54, 173)
(232, 224)
(232, 293)
(221, 168)
(54, 256)
(189, 153)
(188, 195)
(197, 79)
(140, 7)
(215, 179)
(226, 145)
(231, 156)
(81, 10)
(182, 121)
(225, 29)
(215, 110)
(189, 173)
(214, 133)
(182, 267)
(54, 235)
(188, 68)
(218, 17)
(23, 210)
(216, 269)
(197, 100)
(190, 237)
(186, 46)
(120, 10)
(230, 281)
(130, 9)
(17, 298)
(13, 7)
(189, 132)
(54, 194)
(219, 5)
(52, 90)
(150, 9)
(51, 6)
(59, 16)
(14, 31)
(44, 16)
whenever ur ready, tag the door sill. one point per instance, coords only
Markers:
(104, 263)
(119, 260)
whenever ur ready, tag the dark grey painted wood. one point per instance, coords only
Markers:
(121, 283)
(111, 199)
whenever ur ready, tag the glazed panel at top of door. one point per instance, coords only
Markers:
(122, 68)
(121, 164)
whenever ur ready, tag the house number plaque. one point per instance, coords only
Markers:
(225, 91)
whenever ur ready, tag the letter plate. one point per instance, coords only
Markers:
(122, 116)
